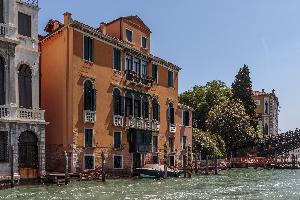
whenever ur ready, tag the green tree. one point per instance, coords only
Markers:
(231, 122)
(208, 143)
(242, 90)
(203, 98)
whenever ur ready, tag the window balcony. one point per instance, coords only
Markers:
(142, 124)
(139, 79)
(118, 120)
(89, 116)
(144, 148)
(172, 128)
(21, 114)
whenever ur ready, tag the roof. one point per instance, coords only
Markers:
(112, 40)
(134, 19)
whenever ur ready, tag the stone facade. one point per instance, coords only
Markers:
(16, 121)
(267, 110)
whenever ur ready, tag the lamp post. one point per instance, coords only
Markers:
(103, 165)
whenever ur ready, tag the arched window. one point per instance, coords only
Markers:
(171, 113)
(2, 82)
(137, 106)
(145, 108)
(89, 96)
(128, 104)
(118, 102)
(25, 87)
(156, 110)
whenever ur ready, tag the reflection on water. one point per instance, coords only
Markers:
(233, 184)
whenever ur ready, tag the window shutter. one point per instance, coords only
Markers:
(86, 48)
(172, 115)
(122, 99)
(1, 11)
(91, 49)
(94, 99)
(158, 112)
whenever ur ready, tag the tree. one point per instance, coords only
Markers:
(203, 98)
(208, 143)
(242, 90)
(231, 122)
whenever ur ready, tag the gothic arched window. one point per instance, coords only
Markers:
(25, 86)
(118, 102)
(89, 96)
(156, 110)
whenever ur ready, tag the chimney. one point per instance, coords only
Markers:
(273, 91)
(67, 18)
(102, 28)
(263, 90)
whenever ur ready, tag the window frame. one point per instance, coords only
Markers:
(122, 163)
(128, 30)
(2, 20)
(120, 132)
(170, 160)
(93, 134)
(28, 32)
(170, 84)
(94, 159)
(91, 49)
(144, 37)
(156, 79)
(120, 59)
(156, 144)
(183, 118)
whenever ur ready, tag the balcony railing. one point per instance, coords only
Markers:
(142, 124)
(136, 78)
(172, 128)
(89, 116)
(31, 2)
(118, 120)
(22, 114)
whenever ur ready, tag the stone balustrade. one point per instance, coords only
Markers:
(89, 116)
(21, 114)
(172, 128)
(118, 120)
(143, 124)
(3, 29)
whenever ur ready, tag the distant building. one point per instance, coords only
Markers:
(267, 111)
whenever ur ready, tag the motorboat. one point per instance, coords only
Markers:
(156, 171)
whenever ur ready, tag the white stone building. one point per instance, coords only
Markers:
(22, 124)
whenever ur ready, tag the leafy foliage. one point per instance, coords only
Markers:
(208, 143)
(230, 121)
(242, 90)
(203, 98)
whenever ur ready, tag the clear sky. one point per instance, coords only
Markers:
(212, 39)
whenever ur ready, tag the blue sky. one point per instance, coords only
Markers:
(212, 39)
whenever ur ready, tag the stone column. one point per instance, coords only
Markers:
(41, 146)
(35, 87)
(14, 138)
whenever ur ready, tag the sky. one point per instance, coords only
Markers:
(212, 39)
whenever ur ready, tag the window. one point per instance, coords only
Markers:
(129, 63)
(3, 147)
(88, 49)
(147, 138)
(89, 96)
(24, 24)
(171, 113)
(118, 162)
(155, 144)
(128, 105)
(145, 108)
(154, 73)
(25, 86)
(129, 35)
(2, 82)
(144, 42)
(137, 65)
(172, 161)
(89, 162)
(117, 140)
(117, 59)
(170, 78)
(144, 68)
(156, 110)
(184, 142)
(186, 118)
(1, 12)
(118, 102)
(171, 144)
(155, 159)
(88, 137)
(137, 107)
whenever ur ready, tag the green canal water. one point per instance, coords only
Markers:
(232, 184)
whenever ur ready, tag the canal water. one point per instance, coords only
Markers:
(231, 184)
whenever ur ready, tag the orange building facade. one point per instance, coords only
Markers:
(104, 92)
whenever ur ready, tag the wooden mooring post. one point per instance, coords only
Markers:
(103, 176)
(206, 165)
(66, 162)
(12, 173)
(190, 162)
(216, 165)
(165, 160)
